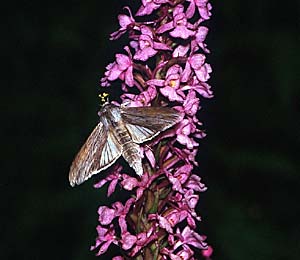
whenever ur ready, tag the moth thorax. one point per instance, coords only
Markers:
(110, 113)
(115, 114)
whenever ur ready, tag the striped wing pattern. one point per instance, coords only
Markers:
(98, 153)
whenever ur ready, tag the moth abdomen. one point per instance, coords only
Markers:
(132, 154)
(122, 135)
(130, 150)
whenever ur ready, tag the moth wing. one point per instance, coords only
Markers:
(112, 150)
(98, 152)
(144, 123)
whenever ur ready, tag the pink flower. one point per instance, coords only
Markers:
(149, 6)
(164, 223)
(189, 237)
(185, 129)
(186, 209)
(190, 105)
(201, 87)
(191, 199)
(129, 183)
(196, 63)
(200, 37)
(123, 210)
(126, 22)
(194, 183)
(180, 176)
(147, 47)
(113, 177)
(175, 216)
(180, 27)
(143, 239)
(172, 88)
(128, 240)
(122, 68)
(106, 236)
(170, 85)
(142, 99)
(203, 7)
(106, 215)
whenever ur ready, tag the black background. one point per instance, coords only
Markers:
(54, 54)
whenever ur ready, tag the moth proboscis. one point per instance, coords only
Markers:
(120, 131)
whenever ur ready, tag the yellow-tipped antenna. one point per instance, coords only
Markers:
(103, 98)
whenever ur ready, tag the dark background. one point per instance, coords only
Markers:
(55, 52)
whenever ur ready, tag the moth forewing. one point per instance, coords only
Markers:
(84, 162)
(144, 123)
(92, 157)
(119, 132)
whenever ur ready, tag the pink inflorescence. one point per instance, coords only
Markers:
(164, 63)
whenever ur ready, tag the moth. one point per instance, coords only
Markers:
(120, 131)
